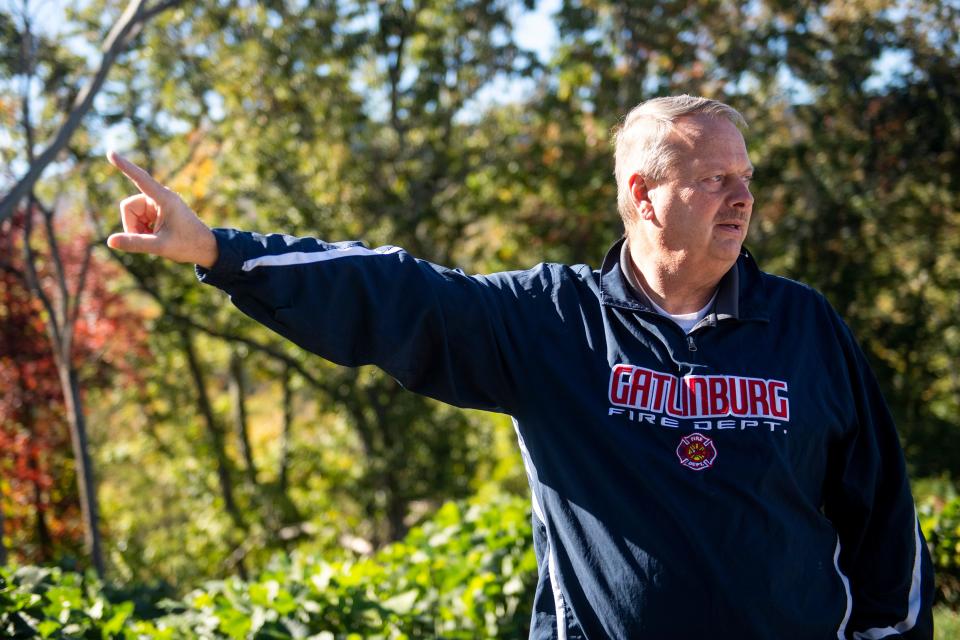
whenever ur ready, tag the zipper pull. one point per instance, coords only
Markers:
(691, 345)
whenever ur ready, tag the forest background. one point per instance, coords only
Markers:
(153, 436)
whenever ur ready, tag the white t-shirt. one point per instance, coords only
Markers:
(685, 321)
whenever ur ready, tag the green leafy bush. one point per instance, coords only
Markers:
(469, 572)
(47, 602)
(940, 521)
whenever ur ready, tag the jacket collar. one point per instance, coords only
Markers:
(740, 295)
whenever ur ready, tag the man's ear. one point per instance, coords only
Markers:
(640, 196)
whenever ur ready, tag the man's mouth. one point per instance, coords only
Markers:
(730, 226)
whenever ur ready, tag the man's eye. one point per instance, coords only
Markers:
(715, 178)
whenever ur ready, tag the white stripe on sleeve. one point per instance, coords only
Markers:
(842, 629)
(307, 257)
(913, 600)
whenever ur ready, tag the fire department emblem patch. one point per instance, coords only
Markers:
(696, 452)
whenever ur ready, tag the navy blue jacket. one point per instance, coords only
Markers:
(745, 481)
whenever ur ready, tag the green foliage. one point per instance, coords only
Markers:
(468, 572)
(49, 602)
(939, 513)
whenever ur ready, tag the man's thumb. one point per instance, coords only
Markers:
(135, 242)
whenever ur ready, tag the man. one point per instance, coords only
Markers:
(708, 452)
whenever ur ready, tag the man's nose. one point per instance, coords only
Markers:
(740, 196)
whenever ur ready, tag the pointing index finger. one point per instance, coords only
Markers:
(139, 177)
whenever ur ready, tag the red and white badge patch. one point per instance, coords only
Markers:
(696, 452)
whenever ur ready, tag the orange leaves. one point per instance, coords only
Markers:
(195, 179)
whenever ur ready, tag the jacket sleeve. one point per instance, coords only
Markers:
(881, 552)
(438, 331)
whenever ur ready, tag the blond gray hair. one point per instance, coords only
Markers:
(645, 150)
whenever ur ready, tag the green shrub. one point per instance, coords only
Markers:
(940, 521)
(48, 602)
(469, 572)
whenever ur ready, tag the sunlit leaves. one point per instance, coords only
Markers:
(468, 572)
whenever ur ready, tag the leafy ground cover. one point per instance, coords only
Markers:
(938, 507)
(469, 572)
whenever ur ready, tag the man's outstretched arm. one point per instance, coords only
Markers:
(157, 221)
(438, 331)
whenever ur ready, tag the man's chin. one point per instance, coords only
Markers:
(726, 251)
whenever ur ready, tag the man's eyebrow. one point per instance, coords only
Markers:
(716, 168)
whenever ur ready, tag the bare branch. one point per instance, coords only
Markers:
(33, 280)
(160, 8)
(28, 63)
(81, 283)
(27, 60)
(256, 345)
(127, 28)
(60, 272)
(12, 270)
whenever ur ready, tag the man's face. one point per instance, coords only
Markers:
(699, 213)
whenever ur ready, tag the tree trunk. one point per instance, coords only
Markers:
(238, 395)
(3, 547)
(43, 531)
(285, 433)
(955, 371)
(89, 509)
(213, 430)
(60, 331)
(394, 503)
(396, 512)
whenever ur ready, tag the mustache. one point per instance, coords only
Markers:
(732, 215)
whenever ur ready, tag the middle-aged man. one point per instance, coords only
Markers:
(708, 452)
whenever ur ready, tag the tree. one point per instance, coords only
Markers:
(41, 59)
(306, 149)
(31, 415)
(33, 409)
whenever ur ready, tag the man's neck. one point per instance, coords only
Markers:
(675, 287)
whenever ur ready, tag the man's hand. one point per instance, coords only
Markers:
(158, 222)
